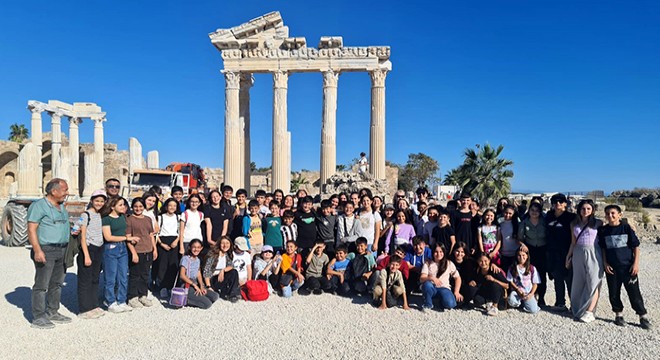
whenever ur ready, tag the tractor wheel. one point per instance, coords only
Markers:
(14, 225)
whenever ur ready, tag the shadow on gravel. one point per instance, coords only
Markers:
(21, 297)
(70, 293)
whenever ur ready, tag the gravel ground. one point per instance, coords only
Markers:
(320, 327)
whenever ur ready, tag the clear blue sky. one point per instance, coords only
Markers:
(571, 88)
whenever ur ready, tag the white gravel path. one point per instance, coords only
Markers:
(320, 327)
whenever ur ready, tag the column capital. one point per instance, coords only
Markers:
(232, 79)
(280, 79)
(36, 108)
(74, 121)
(247, 80)
(378, 77)
(330, 78)
(98, 121)
(56, 116)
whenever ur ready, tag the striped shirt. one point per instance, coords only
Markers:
(289, 232)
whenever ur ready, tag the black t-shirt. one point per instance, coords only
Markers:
(462, 224)
(466, 269)
(306, 229)
(442, 235)
(559, 231)
(217, 217)
(480, 278)
(618, 242)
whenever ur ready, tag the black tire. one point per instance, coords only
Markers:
(14, 225)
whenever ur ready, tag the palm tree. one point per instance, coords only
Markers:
(18, 133)
(297, 182)
(483, 174)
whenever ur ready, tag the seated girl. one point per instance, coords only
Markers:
(191, 276)
(435, 279)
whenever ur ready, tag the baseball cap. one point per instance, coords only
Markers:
(388, 206)
(99, 192)
(241, 243)
(267, 248)
(558, 198)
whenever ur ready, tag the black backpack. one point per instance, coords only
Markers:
(358, 266)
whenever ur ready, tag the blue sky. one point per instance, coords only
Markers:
(570, 88)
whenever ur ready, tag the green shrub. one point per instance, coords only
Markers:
(632, 204)
(646, 217)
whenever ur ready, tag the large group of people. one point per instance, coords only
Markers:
(214, 245)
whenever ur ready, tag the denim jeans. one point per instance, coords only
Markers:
(48, 280)
(529, 306)
(429, 291)
(115, 270)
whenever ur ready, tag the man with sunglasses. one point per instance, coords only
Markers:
(112, 187)
(558, 243)
(48, 233)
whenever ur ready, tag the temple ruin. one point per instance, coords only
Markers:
(263, 45)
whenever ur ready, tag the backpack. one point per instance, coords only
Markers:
(358, 266)
(255, 290)
(160, 221)
(185, 215)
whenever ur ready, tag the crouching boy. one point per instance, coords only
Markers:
(291, 270)
(360, 274)
(390, 286)
(316, 261)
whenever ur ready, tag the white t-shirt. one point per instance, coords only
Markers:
(368, 219)
(193, 229)
(363, 164)
(222, 263)
(241, 263)
(169, 225)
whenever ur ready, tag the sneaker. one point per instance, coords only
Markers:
(135, 303)
(316, 291)
(115, 308)
(234, 299)
(304, 291)
(492, 311)
(559, 308)
(99, 311)
(587, 317)
(164, 294)
(42, 323)
(127, 308)
(618, 321)
(58, 318)
(145, 301)
(426, 309)
(645, 323)
(89, 315)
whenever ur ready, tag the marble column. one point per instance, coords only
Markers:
(377, 133)
(280, 168)
(56, 145)
(232, 129)
(29, 185)
(94, 164)
(244, 114)
(37, 139)
(74, 156)
(329, 127)
(134, 155)
(153, 161)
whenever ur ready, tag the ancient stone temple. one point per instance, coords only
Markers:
(263, 45)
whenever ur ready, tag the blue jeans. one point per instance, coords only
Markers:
(530, 306)
(115, 270)
(429, 291)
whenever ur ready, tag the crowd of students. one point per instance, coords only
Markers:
(355, 245)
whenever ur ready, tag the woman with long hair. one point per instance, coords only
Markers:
(585, 257)
(435, 281)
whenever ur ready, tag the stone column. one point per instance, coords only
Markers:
(377, 134)
(232, 130)
(37, 139)
(244, 114)
(134, 154)
(29, 185)
(280, 164)
(94, 164)
(56, 145)
(329, 127)
(287, 187)
(153, 160)
(74, 155)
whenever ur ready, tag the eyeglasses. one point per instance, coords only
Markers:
(113, 186)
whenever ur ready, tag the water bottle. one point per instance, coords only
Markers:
(76, 225)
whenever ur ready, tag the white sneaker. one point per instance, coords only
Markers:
(164, 294)
(145, 301)
(492, 310)
(135, 303)
(125, 307)
(115, 308)
(588, 317)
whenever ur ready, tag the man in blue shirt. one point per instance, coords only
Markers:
(48, 233)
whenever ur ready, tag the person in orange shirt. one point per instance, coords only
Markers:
(291, 277)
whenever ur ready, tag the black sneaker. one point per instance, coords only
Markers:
(234, 299)
(618, 321)
(645, 324)
(316, 291)
(304, 291)
(58, 318)
(42, 323)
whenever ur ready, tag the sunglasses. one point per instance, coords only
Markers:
(113, 186)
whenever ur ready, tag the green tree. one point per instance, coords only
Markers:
(253, 166)
(18, 133)
(297, 182)
(420, 170)
(484, 174)
(341, 167)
